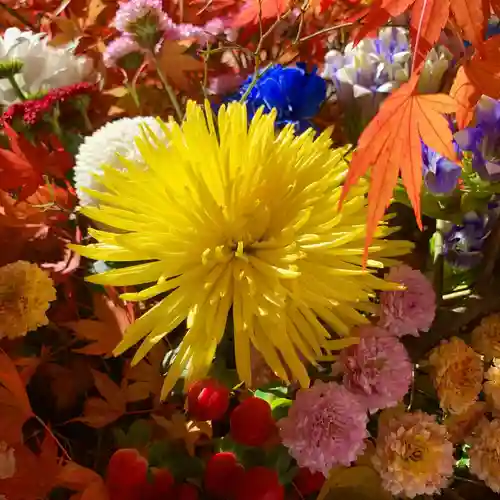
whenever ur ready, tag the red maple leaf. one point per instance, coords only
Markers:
(24, 165)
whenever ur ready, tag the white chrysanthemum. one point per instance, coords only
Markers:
(104, 147)
(44, 67)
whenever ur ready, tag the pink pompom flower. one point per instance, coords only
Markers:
(325, 427)
(378, 370)
(406, 312)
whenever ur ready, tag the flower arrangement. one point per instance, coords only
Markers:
(250, 250)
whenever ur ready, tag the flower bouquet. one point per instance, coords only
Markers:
(250, 249)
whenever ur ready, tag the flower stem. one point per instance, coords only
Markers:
(438, 260)
(16, 87)
(52, 435)
(170, 91)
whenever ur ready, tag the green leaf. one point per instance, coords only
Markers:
(280, 408)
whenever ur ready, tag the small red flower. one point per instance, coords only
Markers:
(126, 474)
(185, 491)
(252, 423)
(223, 475)
(260, 483)
(207, 400)
(308, 482)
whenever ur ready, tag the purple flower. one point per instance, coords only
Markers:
(325, 427)
(440, 174)
(118, 49)
(407, 311)
(483, 140)
(144, 20)
(377, 370)
(463, 244)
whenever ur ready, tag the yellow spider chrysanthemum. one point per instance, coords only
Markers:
(234, 219)
(25, 295)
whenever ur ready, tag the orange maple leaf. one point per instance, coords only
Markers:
(99, 412)
(36, 474)
(146, 377)
(106, 331)
(480, 75)
(176, 64)
(88, 484)
(15, 407)
(264, 10)
(391, 144)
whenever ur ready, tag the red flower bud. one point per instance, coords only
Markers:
(126, 474)
(260, 483)
(252, 423)
(223, 475)
(308, 482)
(160, 487)
(207, 400)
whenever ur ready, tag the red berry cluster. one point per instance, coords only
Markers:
(130, 478)
(226, 479)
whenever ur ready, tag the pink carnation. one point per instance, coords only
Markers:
(407, 311)
(325, 427)
(119, 48)
(134, 11)
(378, 370)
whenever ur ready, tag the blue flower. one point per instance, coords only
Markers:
(295, 93)
(440, 174)
(463, 244)
(483, 140)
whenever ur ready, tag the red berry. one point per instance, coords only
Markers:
(185, 491)
(207, 400)
(160, 487)
(260, 483)
(308, 482)
(252, 423)
(223, 475)
(127, 472)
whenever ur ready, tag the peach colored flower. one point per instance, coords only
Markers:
(492, 385)
(484, 453)
(461, 426)
(486, 337)
(457, 374)
(413, 455)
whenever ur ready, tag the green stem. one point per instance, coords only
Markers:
(170, 92)
(438, 260)
(16, 87)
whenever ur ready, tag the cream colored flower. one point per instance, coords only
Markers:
(484, 453)
(413, 455)
(486, 337)
(457, 374)
(492, 385)
(25, 294)
(7, 461)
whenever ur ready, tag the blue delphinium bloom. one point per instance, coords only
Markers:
(483, 140)
(440, 174)
(463, 244)
(295, 93)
